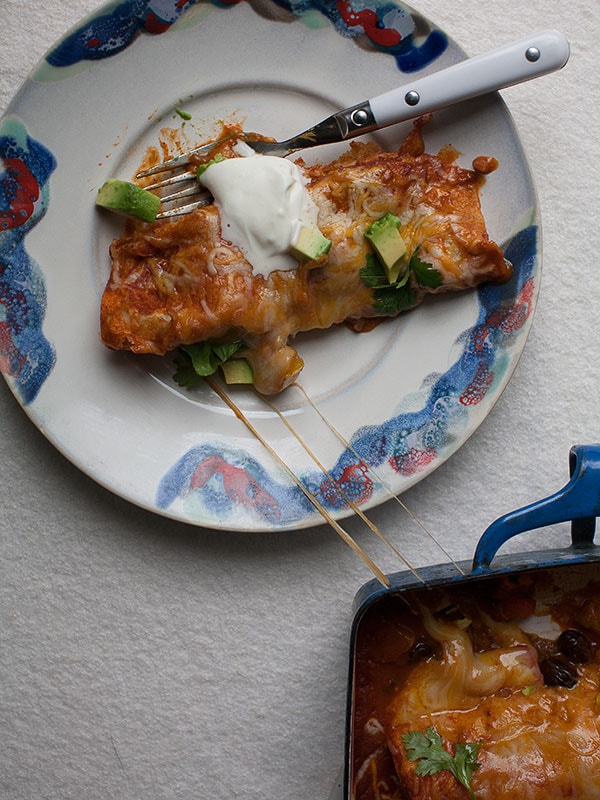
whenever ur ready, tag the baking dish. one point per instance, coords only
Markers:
(540, 594)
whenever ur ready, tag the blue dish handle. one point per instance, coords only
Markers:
(578, 502)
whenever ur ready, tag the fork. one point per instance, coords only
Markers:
(522, 60)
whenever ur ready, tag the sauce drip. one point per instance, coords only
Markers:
(485, 164)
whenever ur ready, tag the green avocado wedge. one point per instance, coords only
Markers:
(128, 199)
(384, 236)
(310, 245)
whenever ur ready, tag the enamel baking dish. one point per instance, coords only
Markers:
(558, 570)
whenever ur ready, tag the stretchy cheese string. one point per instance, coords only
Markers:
(357, 510)
(319, 507)
(386, 486)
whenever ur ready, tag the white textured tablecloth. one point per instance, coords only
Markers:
(141, 658)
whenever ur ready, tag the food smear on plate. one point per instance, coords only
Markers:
(489, 692)
(295, 247)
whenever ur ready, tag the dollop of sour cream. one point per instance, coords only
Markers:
(263, 203)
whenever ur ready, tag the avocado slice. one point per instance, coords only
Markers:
(237, 370)
(128, 199)
(310, 244)
(384, 236)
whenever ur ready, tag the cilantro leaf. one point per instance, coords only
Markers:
(185, 375)
(428, 749)
(425, 273)
(224, 351)
(196, 361)
(391, 298)
(465, 758)
(204, 359)
(373, 273)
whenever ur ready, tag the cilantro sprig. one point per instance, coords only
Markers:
(197, 361)
(428, 749)
(425, 273)
(391, 298)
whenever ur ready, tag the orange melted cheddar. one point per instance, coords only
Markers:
(181, 282)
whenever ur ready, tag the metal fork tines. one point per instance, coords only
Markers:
(180, 184)
(328, 131)
(187, 189)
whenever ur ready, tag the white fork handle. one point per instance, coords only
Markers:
(520, 61)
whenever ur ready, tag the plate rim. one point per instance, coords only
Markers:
(310, 520)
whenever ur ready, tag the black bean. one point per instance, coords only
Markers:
(557, 671)
(421, 650)
(575, 646)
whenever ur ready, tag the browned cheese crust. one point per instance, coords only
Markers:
(179, 282)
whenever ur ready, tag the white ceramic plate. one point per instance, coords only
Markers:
(401, 399)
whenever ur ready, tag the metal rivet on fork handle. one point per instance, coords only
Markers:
(360, 117)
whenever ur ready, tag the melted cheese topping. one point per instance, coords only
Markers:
(263, 203)
(480, 682)
(195, 278)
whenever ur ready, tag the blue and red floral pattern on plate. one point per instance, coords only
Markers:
(151, 457)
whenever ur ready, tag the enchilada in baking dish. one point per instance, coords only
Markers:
(487, 692)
